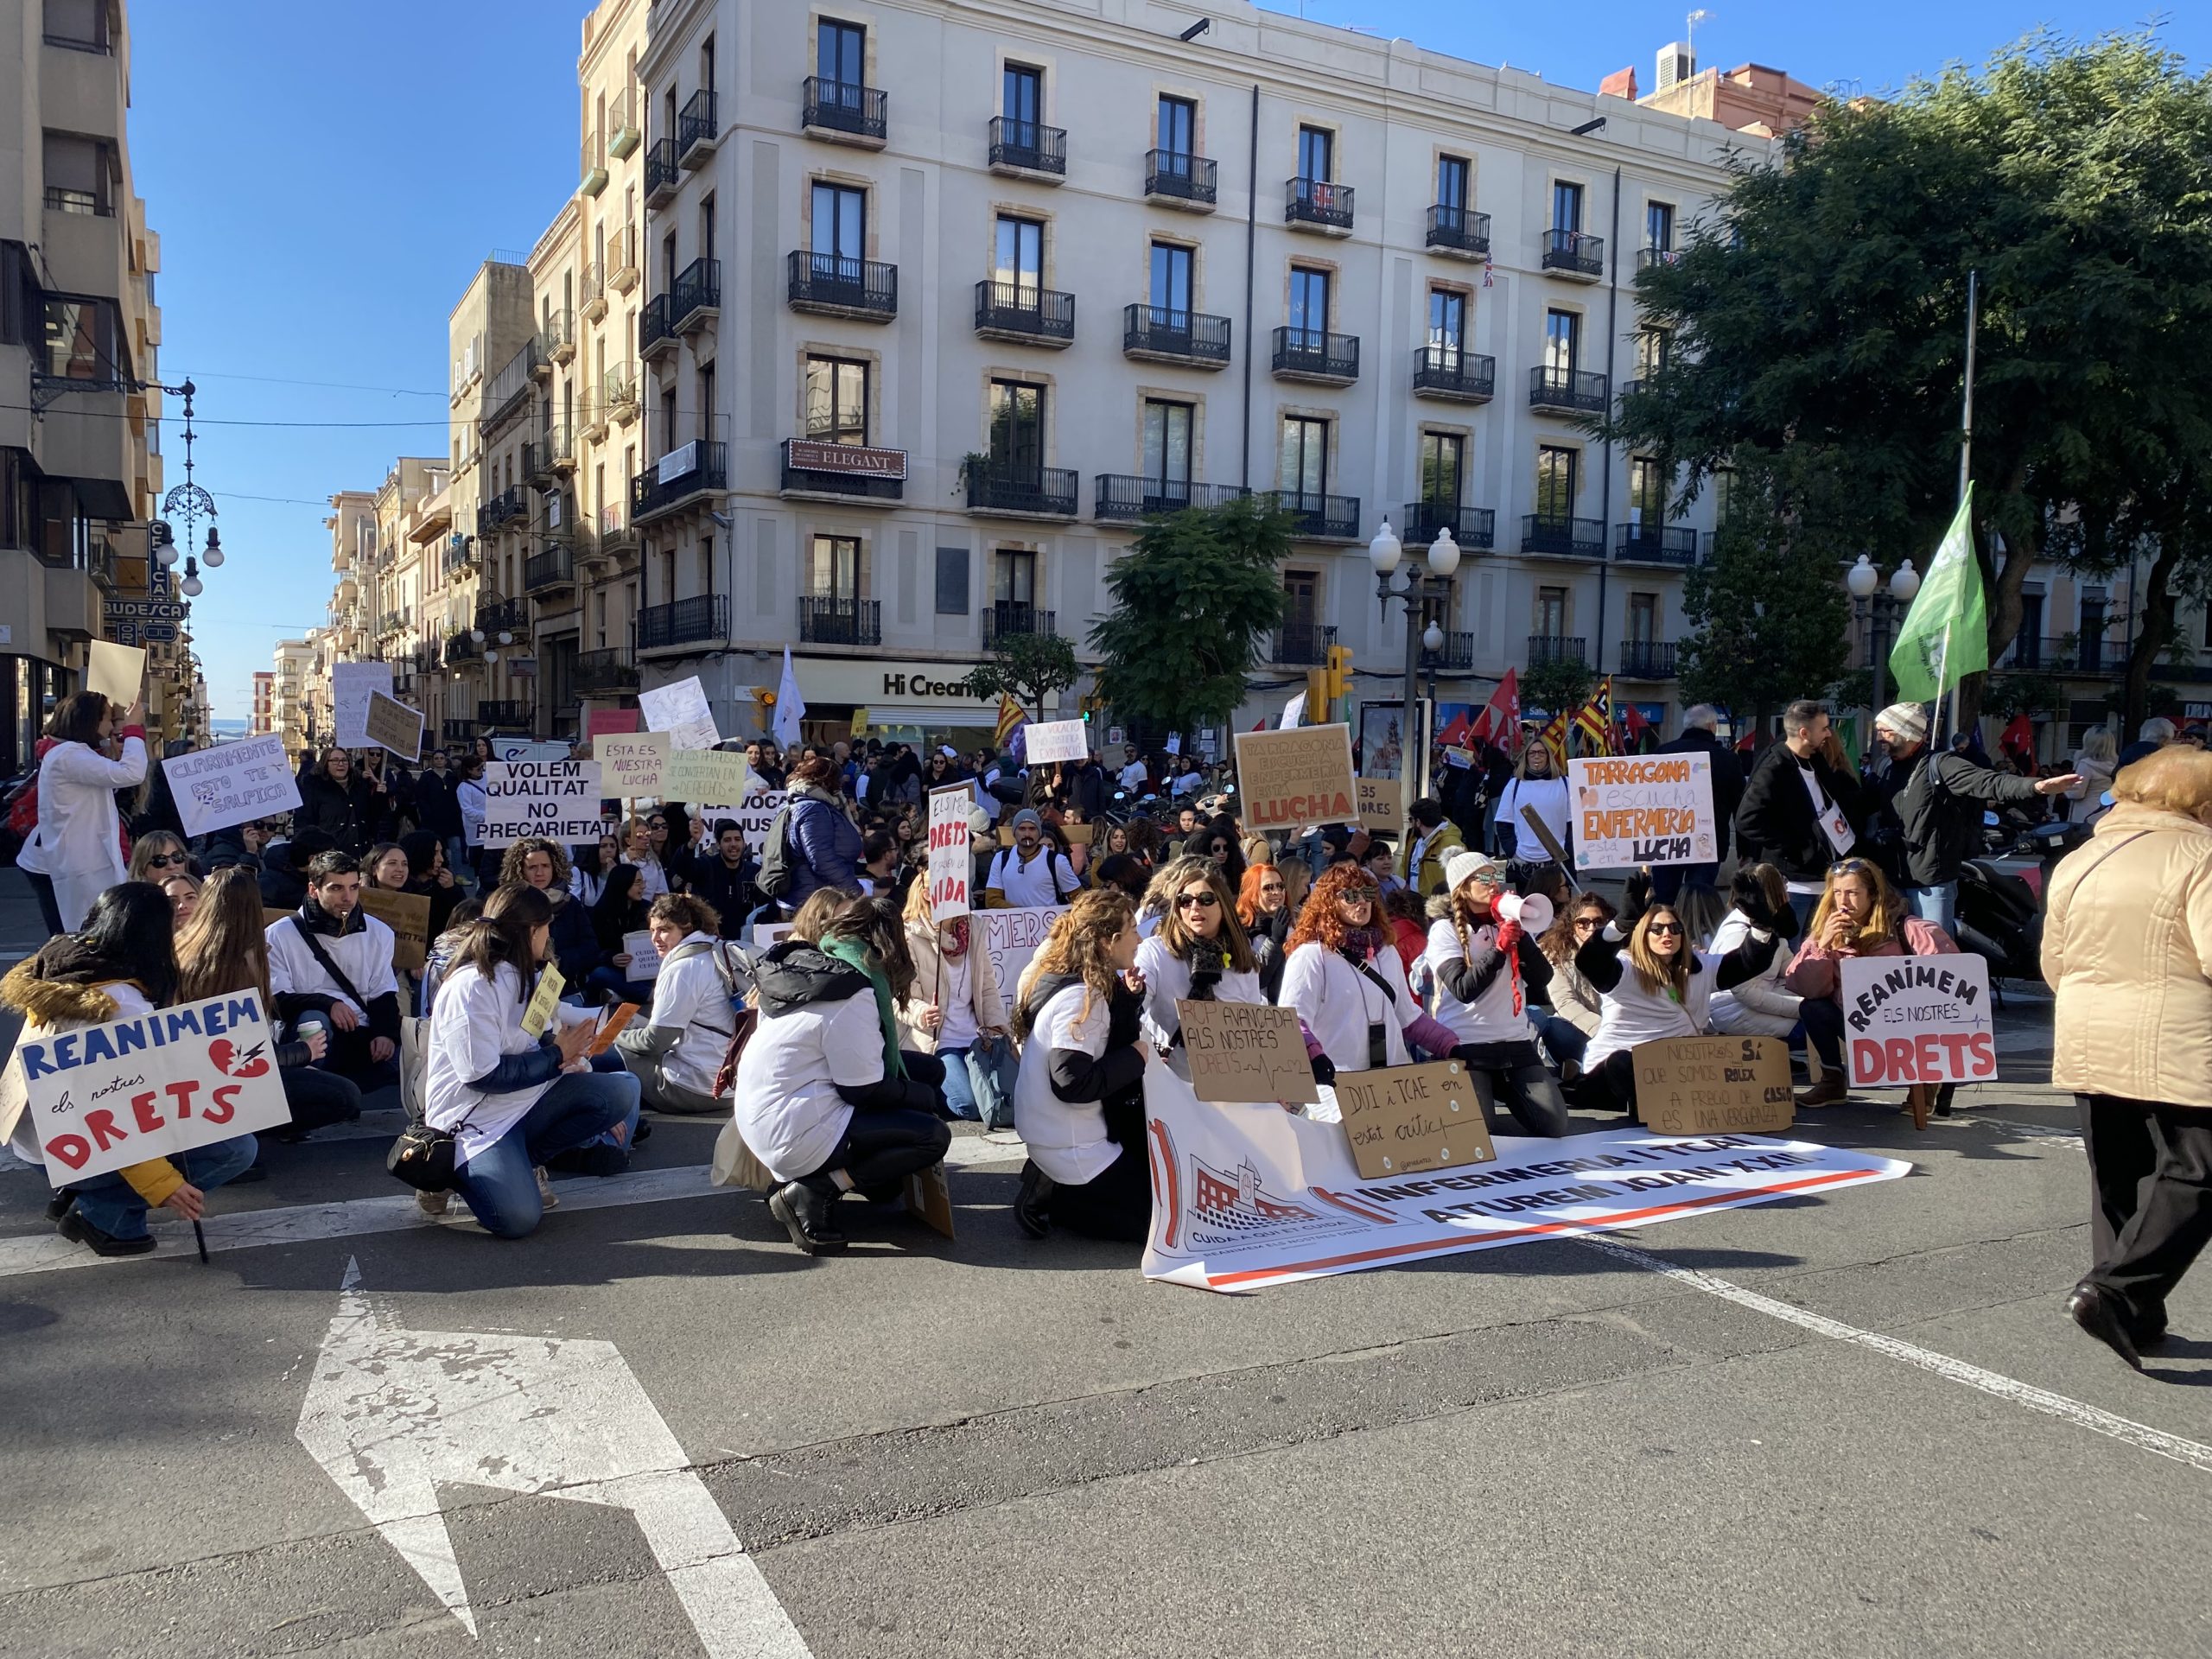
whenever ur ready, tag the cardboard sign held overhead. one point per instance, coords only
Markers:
(630, 763)
(1918, 1019)
(1246, 1051)
(1643, 810)
(393, 725)
(1056, 740)
(1713, 1085)
(1381, 805)
(1404, 1119)
(408, 916)
(951, 866)
(116, 672)
(680, 710)
(1300, 776)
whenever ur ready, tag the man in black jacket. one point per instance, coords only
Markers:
(1935, 800)
(1801, 808)
(724, 876)
(1700, 729)
(437, 809)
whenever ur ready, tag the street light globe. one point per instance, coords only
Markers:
(165, 554)
(505, 639)
(1383, 552)
(1862, 577)
(1432, 637)
(1905, 583)
(192, 586)
(213, 557)
(491, 655)
(1443, 554)
(476, 635)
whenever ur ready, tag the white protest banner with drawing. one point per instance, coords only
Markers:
(1248, 1196)
(951, 866)
(232, 783)
(1918, 1019)
(557, 799)
(350, 686)
(1648, 808)
(105, 1096)
(680, 710)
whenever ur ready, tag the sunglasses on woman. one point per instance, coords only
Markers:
(1195, 901)
(1664, 927)
(1850, 867)
(170, 858)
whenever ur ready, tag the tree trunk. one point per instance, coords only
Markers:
(2157, 621)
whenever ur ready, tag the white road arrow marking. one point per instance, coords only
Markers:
(391, 1413)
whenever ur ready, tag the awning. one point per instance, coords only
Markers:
(103, 497)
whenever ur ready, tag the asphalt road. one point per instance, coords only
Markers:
(1851, 1426)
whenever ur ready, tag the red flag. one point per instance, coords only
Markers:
(1632, 717)
(1500, 720)
(2019, 735)
(1458, 733)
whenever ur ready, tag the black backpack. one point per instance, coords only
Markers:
(778, 869)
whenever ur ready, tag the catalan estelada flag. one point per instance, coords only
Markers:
(1011, 719)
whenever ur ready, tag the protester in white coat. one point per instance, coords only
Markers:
(677, 1054)
(1763, 1006)
(78, 844)
(1199, 954)
(1348, 982)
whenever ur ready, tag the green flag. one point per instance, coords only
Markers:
(1946, 634)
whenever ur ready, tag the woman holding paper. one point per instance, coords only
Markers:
(79, 842)
(1348, 985)
(1199, 954)
(121, 963)
(513, 1097)
(622, 911)
(1859, 914)
(676, 1053)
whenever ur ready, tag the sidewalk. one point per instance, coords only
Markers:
(22, 932)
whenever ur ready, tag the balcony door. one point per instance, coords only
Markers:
(1642, 623)
(841, 52)
(1317, 155)
(1013, 590)
(1017, 431)
(834, 568)
(1301, 618)
(1170, 286)
(1018, 268)
(1567, 208)
(1022, 90)
(1647, 494)
(839, 231)
(1557, 470)
(1562, 344)
(1451, 189)
(1659, 227)
(1177, 131)
(1551, 613)
(1167, 453)
(1309, 310)
(1443, 470)
(1447, 327)
(1303, 467)
(836, 400)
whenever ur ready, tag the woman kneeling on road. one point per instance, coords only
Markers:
(956, 1011)
(1199, 954)
(824, 1097)
(1484, 969)
(676, 1050)
(121, 963)
(511, 1101)
(1348, 983)
(1079, 1101)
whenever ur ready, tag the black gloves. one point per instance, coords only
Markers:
(1747, 894)
(1636, 899)
(1325, 1069)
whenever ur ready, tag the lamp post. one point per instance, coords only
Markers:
(1425, 594)
(1875, 606)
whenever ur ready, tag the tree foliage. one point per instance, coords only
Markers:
(1027, 667)
(1824, 310)
(1192, 600)
(1555, 683)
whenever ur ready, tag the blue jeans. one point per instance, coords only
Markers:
(111, 1204)
(499, 1184)
(1565, 1039)
(959, 1092)
(1938, 904)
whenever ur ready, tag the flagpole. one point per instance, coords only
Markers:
(1965, 457)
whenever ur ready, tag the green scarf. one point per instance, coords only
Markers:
(853, 954)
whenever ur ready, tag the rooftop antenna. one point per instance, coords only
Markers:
(1689, 31)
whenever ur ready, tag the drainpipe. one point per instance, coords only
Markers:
(1251, 241)
(1605, 490)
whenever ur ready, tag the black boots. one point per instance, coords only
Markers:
(809, 1217)
(1033, 1203)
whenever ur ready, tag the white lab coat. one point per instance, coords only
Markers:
(78, 843)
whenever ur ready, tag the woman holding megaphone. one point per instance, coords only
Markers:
(1486, 960)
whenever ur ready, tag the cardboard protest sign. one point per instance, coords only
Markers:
(1011, 937)
(1643, 809)
(116, 672)
(1382, 805)
(950, 867)
(232, 783)
(110, 1095)
(1403, 1119)
(393, 725)
(1714, 1085)
(538, 1013)
(1918, 1019)
(1244, 1197)
(350, 686)
(681, 711)
(408, 916)
(557, 799)
(599, 721)
(929, 1195)
(630, 763)
(1246, 1051)
(645, 955)
(1056, 740)
(704, 775)
(1299, 776)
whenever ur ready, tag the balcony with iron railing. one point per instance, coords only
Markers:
(1158, 334)
(657, 335)
(683, 475)
(842, 112)
(1027, 315)
(600, 673)
(697, 131)
(1573, 253)
(1551, 536)
(509, 392)
(1648, 258)
(618, 392)
(1318, 517)
(1455, 373)
(1556, 648)
(834, 285)
(662, 173)
(617, 536)
(556, 340)
(1028, 147)
(1475, 529)
(695, 299)
(551, 456)
(460, 556)
(2069, 655)
(503, 711)
(1566, 391)
(457, 730)
(498, 616)
(550, 569)
(623, 131)
(831, 620)
(1302, 645)
(1127, 498)
(1007, 490)
(1317, 355)
(703, 619)
(591, 291)
(622, 267)
(1649, 541)
(1318, 204)
(503, 508)
(1647, 660)
(1459, 230)
(1456, 655)
(1172, 179)
(1006, 619)
(462, 648)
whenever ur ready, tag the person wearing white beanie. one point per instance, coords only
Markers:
(1484, 954)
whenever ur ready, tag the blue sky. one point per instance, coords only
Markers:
(326, 177)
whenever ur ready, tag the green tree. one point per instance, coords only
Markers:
(1027, 667)
(1193, 600)
(1557, 683)
(1823, 308)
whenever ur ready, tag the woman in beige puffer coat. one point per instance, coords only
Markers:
(2127, 949)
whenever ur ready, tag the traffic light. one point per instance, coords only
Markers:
(764, 708)
(1317, 695)
(1339, 672)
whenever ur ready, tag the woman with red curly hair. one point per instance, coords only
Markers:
(1348, 984)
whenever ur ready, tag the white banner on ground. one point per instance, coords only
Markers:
(111, 1096)
(1011, 937)
(1055, 739)
(1246, 1197)
(557, 799)
(350, 685)
(951, 865)
(1642, 809)
(680, 710)
(1918, 1019)
(232, 783)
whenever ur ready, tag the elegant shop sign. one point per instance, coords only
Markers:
(851, 460)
